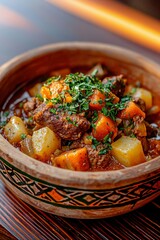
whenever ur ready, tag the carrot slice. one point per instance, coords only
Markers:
(97, 100)
(54, 89)
(130, 111)
(103, 126)
(76, 159)
(46, 92)
(114, 97)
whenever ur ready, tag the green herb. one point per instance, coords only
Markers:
(53, 110)
(3, 123)
(100, 101)
(106, 144)
(6, 114)
(56, 100)
(52, 79)
(23, 136)
(105, 111)
(133, 90)
(89, 137)
(39, 97)
(81, 87)
(105, 150)
(69, 143)
(93, 125)
(121, 128)
(94, 117)
(95, 143)
(132, 135)
(107, 138)
(72, 122)
(21, 104)
(94, 73)
(30, 119)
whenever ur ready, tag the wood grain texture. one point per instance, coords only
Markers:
(26, 222)
(5, 235)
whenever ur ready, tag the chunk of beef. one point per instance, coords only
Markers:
(31, 105)
(138, 119)
(154, 148)
(152, 130)
(116, 84)
(144, 142)
(98, 161)
(141, 104)
(69, 127)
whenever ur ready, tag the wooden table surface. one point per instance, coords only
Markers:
(24, 25)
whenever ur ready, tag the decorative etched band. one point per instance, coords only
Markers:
(79, 198)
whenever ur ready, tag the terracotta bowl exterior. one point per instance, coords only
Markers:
(85, 195)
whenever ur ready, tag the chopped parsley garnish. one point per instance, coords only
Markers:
(30, 119)
(20, 104)
(3, 123)
(6, 114)
(94, 73)
(106, 144)
(95, 143)
(71, 121)
(133, 90)
(94, 119)
(52, 79)
(39, 97)
(81, 87)
(132, 135)
(23, 136)
(53, 110)
(105, 150)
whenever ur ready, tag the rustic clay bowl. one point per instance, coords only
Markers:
(64, 192)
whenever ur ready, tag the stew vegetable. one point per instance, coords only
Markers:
(90, 121)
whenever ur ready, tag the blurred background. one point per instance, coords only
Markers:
(26, 24)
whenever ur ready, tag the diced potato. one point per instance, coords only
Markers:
(76, 159)
(45, 142)
(141, 130)
(27, 147)
(15, 130)
(35, 89)
(145, 95)
(128, 151)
